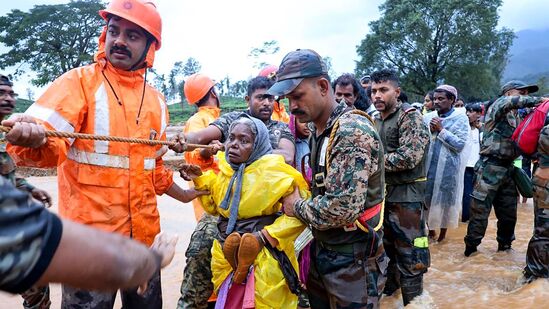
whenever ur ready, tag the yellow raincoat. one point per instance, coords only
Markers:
(265, 182)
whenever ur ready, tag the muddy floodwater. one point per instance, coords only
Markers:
(487, 279)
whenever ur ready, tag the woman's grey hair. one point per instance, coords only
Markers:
(245, 121)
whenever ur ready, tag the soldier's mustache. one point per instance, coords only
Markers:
(298, 112)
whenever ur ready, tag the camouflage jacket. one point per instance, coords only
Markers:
(31, 235)
(7, 169)
(543, 147)
(277, 129)
(354, 157)
(406, 140)
(500, 122)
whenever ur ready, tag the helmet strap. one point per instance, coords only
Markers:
(141, 62)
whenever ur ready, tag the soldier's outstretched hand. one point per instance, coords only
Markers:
(163, 246)
(180, 142)
(25, 131)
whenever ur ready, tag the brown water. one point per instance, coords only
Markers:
(485, 280)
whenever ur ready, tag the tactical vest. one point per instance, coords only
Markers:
(390, 136)
(375, 193)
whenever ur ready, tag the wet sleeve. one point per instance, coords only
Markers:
(23, 184)
(30, 236)
(206, 182)
(62, 108)
(354, 157)
(516, 102)
(286, 133)
(194, 157)
(413, 137)
(163, 177)
(455, 137)
(223, 123)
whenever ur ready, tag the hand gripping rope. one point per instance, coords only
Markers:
(188, 147)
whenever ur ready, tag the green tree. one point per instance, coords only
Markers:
(430, 42)
(159, 82)
(174, 79)
(543, 83)
(50, 39)
(191, 67)
(238, 89)
(258, 54)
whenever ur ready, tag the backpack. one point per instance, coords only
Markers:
(527, 133)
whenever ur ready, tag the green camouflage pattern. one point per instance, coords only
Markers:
(28, 229)
(355, 156)
(406, 147)
(543, 146)
(277, 129)
(7, 169)
(500, 122)
(348, 280)
(197, 286)
(537, 256)
(404, 223)
(346, 274)
(493, 185)
(406, 139)
(151, 299)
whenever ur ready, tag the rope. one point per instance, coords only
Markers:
(130, 140)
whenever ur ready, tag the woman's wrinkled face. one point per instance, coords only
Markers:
(240, 144)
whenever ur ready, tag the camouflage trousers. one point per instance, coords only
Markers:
(493, 185)
(37, 298)
(197, 286)
(348, 276)
(405, 240)
(81, 299)
(537, 255)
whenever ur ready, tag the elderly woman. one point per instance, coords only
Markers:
(245, 194)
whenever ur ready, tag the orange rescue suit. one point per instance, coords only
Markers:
(200, 120)
(108, 185)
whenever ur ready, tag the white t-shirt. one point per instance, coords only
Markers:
(474, 144)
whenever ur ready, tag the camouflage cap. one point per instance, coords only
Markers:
(517, 84)
(296, 66)
(5, 81)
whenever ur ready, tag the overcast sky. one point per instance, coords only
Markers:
(221, 33)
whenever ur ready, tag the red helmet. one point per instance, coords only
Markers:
(140, 12)
(268, 71)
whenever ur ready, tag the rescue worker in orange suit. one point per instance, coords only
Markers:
(279, 110)
(199, 91)
(107, 185)
(197, 286)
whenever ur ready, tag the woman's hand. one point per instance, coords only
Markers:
(189, 171)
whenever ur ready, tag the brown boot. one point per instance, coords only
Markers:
(250, 247)
(230, 248)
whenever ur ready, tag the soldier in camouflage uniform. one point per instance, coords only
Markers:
(348, 264)
(405, 139)
(36, 297)
(537, 257)
(197, 287)
(493, 181)
(43, 248)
